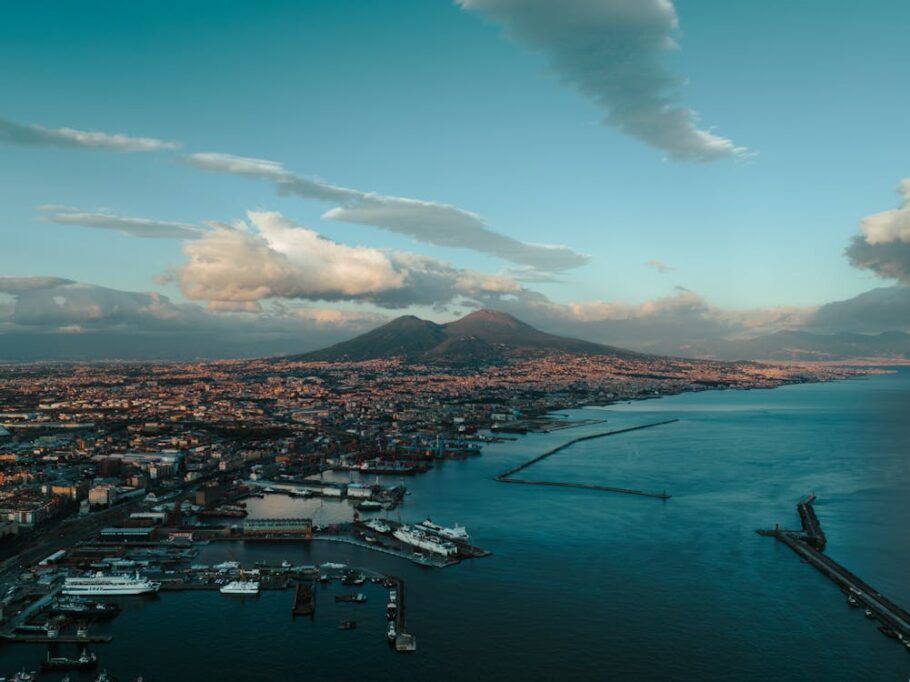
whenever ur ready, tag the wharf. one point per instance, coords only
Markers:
(506, 476)
(304, 601)
(403, 640)
(808, 544)
(59, 639)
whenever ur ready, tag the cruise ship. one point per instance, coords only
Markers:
(456, 532)
(101, 585)
(412, 535)
(241, 587)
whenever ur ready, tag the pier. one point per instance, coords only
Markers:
(809, 542)
(506, 476)
(304, 601)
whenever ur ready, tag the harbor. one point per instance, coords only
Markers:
(809, 543)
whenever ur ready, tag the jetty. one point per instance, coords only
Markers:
(304, 601)
(507, 476)
(809, 543)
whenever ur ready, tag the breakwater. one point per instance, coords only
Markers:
(506, 476)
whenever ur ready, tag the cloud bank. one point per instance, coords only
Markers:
(106, 220)
(425, 221)
(611, 51)
(70, 138)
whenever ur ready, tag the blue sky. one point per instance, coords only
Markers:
(429, 100)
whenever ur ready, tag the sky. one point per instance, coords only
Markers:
(235, 178)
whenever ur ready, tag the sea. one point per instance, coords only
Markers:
(589, 585)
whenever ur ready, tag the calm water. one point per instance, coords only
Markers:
(592, 586)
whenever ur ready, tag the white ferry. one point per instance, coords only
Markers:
(241, 587)
(109, 585)
(456, 532)
(412, 535)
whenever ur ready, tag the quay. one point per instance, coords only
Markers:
(304, 601)
(59, 639)
(506, 476)
(809, 542)
(403, 640)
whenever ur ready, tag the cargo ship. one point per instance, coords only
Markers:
(101, 585)
(414, 536)
(86, 661)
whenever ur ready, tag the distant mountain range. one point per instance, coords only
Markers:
(480, 336)
(807, 346)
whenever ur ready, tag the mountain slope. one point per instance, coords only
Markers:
(482, 335)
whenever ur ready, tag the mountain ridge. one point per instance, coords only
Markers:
(482, 335)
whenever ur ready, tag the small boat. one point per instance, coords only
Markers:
(869, 614)
(391, 610)
(103, 677)
(369, 505)
(888, 632)
(392, 633)
(352, 578)
(356, 598)
(851, 600)
(86, 661)
(22, 676)
(348, 625)
(323, 578)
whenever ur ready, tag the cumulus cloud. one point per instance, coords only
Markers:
(611, 51)
(70, 138)
(425, 221)
(272, 257)
(107, 220)
(884, 246)
(659, 265)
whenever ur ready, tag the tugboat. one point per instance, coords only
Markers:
(86, 661)
(391, 610)
(22, 676)
(348, 625)
(358, 598)
(393, 633)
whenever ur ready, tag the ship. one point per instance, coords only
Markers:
(389, 468)
(355, 598)
(378, 526)
(369, 505)
(414, 536)
(84, 608)
(86, 661)
(456, 532)
(101, 585)
(241, 588)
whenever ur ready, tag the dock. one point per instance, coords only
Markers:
(304, 601)
(506, 476)
(809, 543)
(403, 641)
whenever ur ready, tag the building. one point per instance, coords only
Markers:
(273, 527)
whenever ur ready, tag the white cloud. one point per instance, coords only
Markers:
(106, 220)
(659, 265)
(70, 138)
(892, 225)
(272, 257)
(426, 221)
(611, 51)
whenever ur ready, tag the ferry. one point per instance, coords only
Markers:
(456, 532)
(412, 535)
(109, 585)
(241, 587)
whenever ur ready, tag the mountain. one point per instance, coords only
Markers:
(810, 346)
(482, 335)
